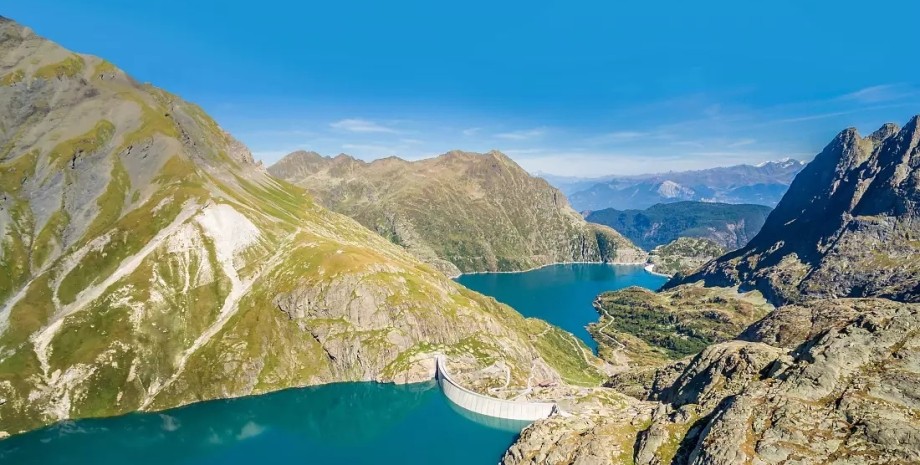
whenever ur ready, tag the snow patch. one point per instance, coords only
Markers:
(671, 189)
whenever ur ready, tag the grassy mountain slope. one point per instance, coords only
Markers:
(728, 225)
(460, 211)
(148, 262)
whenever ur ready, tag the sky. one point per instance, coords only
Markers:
(576, 88)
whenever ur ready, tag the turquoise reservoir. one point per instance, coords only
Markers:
(345, 423)
(561, 294)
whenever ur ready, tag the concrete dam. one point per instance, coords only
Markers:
(485, 405)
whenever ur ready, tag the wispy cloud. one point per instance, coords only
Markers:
(741, 143)
(879, 93)
(361, 125)
(525, 134)
(471, 131)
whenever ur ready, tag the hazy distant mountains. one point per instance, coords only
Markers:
(762, 184)
(730, 226)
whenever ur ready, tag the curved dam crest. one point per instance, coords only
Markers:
(485, 405)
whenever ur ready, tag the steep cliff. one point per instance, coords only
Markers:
(848, 226)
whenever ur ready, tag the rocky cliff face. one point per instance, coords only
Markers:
(147, 262)
(847, 228)
(460, 212)
(841, 390)
(821, 381)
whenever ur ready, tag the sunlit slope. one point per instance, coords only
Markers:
(148, 262)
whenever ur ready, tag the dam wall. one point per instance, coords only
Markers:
(489, 406)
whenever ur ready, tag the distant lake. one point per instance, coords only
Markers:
(344, 423)
(561, 294)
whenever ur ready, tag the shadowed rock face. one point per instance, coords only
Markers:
(460, 211)
(848, 227)
(147, 262)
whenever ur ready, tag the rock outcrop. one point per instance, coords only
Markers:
(147, 262)
(820, 380)
(849, 226)
(842, 391)
(460, 211)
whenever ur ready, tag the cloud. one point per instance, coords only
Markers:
(741, 143)
(525, 134)
(879, 93)
(361, 125)
(471, 131)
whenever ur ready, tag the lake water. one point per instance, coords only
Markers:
(561, 294)
(345, 423)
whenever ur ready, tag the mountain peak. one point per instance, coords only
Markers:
(847, 227)
(887, 130)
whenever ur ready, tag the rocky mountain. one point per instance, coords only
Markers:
(762, 184)
(830, 382)
(830, 377)
(684, 255)
(460, 211)
(847, 228)
(731, 226)
(147, 262)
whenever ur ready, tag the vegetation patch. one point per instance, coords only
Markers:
(678, 322)
(566, 354)
(12, 78)
(68, 68)
(68, 151)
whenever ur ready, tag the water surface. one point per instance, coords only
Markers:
(561, 294)
(345, 423)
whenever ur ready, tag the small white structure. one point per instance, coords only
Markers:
(485, 405)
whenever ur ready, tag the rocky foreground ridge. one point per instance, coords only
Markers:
(147, 262)
(829, 377)
(460, 211)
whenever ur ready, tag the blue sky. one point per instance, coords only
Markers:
(572, 88)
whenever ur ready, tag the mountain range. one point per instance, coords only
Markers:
(762, 184)
(460, 211)
(149, 262)
(829, 376)
(729, 225)
(847, 228)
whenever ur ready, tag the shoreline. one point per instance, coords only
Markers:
(651, 269)
(553, 264)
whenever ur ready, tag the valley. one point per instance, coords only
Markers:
(168, 295)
